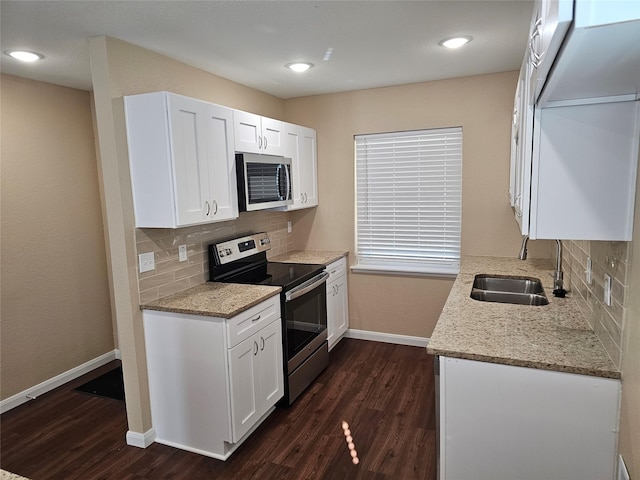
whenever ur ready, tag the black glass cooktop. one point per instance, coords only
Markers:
(285, 275)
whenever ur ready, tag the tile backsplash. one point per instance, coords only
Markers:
(610, 258)
(171, 275)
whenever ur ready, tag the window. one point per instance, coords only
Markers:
(408, 201)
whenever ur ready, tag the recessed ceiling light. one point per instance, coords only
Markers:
(299, 66)
(24, 55)
(455, 42)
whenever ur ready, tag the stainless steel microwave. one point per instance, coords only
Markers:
(264, 181)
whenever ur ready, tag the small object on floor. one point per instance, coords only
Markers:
(109, 385)
(352, 447)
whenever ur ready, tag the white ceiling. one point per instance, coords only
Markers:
(375, 43)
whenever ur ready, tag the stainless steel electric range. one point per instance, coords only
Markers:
(303, 303)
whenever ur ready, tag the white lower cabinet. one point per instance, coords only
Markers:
(500, 422)
(213, 380)
(337, 301)
(255, 371)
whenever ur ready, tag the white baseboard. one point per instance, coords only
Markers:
(141, 440)
(48, 385)
(387, 338)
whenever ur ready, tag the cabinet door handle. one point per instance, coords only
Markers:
(260, 142)
(256, 318)
(265, 143)
(262, 341)
(255, 347)
(215, 205)
(208, 206)
(533, 55)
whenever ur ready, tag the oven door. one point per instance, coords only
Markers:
(305, 314)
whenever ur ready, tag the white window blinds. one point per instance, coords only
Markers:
(409, 196)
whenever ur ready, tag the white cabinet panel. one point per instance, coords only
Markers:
(206, 394)
(257, 377)
(500, 422)
(584, 173)
(300, 146)
(337, 302)
(181, 160)
(256, 134)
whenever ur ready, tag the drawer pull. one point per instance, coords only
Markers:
(255, 319)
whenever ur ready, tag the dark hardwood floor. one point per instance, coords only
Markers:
(384, 391)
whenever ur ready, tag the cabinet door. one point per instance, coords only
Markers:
(337, 301)
(187, 118)
(337, 310)
(504, 422)
(272, 136)
(244, 384)
(300, 146)
(270, 366)
(585, 169)
(247, 130)
(308, 166)
(221, 162)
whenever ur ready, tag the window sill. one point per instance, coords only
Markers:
(443, 272)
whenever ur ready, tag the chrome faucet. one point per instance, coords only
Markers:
(558, 282)
(523, 250)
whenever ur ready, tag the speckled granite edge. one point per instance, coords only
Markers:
(552, 337)
(320, 257)
(223, 300)
(4, 475)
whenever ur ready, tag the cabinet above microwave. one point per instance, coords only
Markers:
(599, 56)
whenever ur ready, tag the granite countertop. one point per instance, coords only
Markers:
(551, 337)
(224, 300)
(321, 257)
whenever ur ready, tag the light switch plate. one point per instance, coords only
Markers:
(607, 289)
(182, 253)
(147, 262)
(289, 227)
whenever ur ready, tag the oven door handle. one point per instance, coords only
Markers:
(307, 286)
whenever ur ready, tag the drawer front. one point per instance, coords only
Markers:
(247, 323)
(337, 269)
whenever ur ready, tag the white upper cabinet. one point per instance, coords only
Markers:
(300, 146)
(256, 134)
(551, 20)
(181, 160)
(574, 156)
(584, 171)
(586, 51)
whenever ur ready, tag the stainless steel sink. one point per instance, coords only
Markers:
(508, 289)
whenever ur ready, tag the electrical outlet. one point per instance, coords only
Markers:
(607, 289)
(147, 262)
(182, 253)
(289, 229)
(589, 272)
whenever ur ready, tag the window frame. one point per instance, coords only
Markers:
(448, 263)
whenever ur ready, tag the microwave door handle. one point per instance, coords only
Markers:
(307, 286)
(278, 180)
(288, 192)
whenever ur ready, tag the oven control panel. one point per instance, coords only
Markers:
(242, 247)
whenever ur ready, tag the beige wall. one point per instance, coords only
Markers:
(482, 105)
(55, 297)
